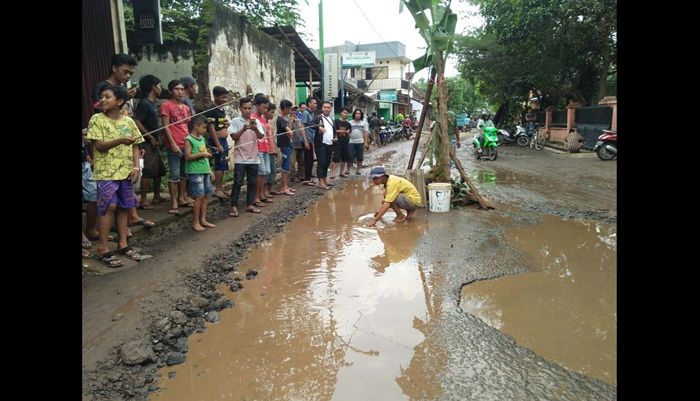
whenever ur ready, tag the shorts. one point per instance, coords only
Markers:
(119, 192)
(357, 151)
(271, 177)
(264, 166)
(403, 202)
(341, 152)
(200, 184)
(220, 162)
(176, 164)
(153, 166)
(89, 185)
(286, 159)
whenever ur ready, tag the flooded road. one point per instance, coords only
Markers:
(565, 308)
(337, 312)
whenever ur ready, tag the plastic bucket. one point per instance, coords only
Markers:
(439, 196)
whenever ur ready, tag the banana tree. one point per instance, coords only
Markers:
(436, 23)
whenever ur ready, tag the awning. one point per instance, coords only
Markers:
(304, 58)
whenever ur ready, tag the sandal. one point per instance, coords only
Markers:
(160, 200)
(309, 183)
(144, 222)
(233, 212)
(130, 253)
(252, 209)
(258, 204)
(269, 200)
(110, 260)
(144, 206)
(86, 254)
(87, 244)
(174, 212)
(110, 237)
(188, 204)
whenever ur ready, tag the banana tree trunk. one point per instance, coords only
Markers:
(444, 162)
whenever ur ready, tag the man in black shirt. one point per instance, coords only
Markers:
(147, 120)
(217, 127)
(284, 143)
(341, 146)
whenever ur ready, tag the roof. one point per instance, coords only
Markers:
(304, 58)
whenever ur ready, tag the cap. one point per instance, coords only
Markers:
(377, 171)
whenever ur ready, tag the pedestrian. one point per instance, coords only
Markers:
(245, 131)
(217, 125)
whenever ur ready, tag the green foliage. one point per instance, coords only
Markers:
(182, 19)
(552, 48)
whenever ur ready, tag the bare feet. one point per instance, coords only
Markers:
(207, 224)
(400, 218)
(198, 228)
(410, 214)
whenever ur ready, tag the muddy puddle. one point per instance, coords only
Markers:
(338, 311)
(565, 309)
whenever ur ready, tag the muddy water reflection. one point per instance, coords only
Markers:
(335, 314)
(566, 309)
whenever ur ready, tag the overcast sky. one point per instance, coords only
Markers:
(344, 20)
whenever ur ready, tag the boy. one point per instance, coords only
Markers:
(176, 112)
(117, 168)
(198, 171)
(217, 124)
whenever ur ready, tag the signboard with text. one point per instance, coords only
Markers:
(147, 22)
(330, 75)
(388, 95)
(359, 59)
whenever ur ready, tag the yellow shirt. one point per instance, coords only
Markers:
(397, 185)
(118, 162)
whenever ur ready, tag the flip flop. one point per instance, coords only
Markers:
(174, 212)
(258, 204)
(109, 260)
(143, 222)
(253, 209)
(233, 212)
(144, 206)
(110, 237)
(289, 193)
(161, 200)
(87, 244)
(269, 200)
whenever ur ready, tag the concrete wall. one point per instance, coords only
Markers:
(165, 66)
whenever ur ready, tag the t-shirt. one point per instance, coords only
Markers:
(180, 115)
(298, 138)
(397, 185)
(374, 122)
(357, 135)
(308, 119)
(263, 147)
(245, 150)
(118, 162)
(189, 104)
(199, 166)
(283, 141)
(148, 116)
(326, 137)
(343, 124)
(217, 116)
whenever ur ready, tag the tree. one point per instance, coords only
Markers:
(182, 18)
(555, 49)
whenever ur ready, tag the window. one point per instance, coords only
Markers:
(368, 73)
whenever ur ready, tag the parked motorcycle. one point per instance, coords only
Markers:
(524, 133)
(505, 137)
(486, 145)
(382, 135)
(606, 147)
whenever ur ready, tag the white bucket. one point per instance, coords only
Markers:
(439, 196)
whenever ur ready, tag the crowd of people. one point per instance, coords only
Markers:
(122, 147)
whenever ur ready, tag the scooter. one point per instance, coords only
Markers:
(606, 147)
(505, 137)
(489, 146)
(382, 135)
(523, 134)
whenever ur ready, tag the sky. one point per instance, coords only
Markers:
(375, 21)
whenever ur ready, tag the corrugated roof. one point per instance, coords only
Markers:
(304, 58)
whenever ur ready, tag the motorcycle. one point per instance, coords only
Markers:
(382, 135)
(488, 146)
(505, 137)
(523, 134)
(606, 147)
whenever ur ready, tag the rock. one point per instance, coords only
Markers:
(136, 353)
(251, 273)
(113, 377)
(174, 358)
(117, 317)
(171, 374)
(153, 387)
(178, 317)
(235, 286)
(199, 301)
(181, 344)
(163, 325)
(212, 317)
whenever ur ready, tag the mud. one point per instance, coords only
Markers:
(443, 353)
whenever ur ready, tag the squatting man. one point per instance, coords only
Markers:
(400, 194)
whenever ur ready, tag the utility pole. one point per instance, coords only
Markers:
(321, 51)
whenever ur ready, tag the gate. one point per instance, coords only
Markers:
(591, 121)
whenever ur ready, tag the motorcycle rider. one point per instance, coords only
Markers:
(484, 122)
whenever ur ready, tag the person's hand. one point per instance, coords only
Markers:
(322, 130)
(206, 154)
(219, 148)
(127, 140)
(459, 145)
(366, 146)
(132, 92)
(372, 223)
(307, 146)
(175, 149)
(134, 175)
(335, 139)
